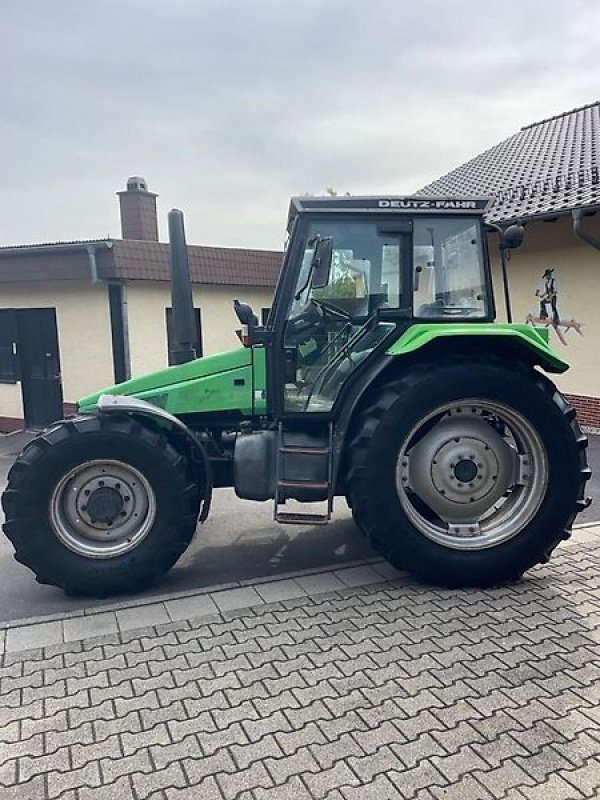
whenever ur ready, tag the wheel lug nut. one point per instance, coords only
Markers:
(126, 498)
(86, 492)
(123, 513)
(117, 485)
(84, 508)
(100, 483)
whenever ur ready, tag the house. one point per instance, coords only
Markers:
(76, 316)
(547, 176)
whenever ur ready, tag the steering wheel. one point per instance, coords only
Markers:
(315, 315)
(325, 308)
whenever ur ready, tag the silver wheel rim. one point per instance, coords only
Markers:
(102, 509)
(472, 474)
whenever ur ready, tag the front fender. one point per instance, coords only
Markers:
(121, 404)
(533, 341)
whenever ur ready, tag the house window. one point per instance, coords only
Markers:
(197, 344)
(264, 315)
(9, 362)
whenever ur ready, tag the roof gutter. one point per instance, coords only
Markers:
(58, 247)
(578, 214)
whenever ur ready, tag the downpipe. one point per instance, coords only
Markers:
(578, 214)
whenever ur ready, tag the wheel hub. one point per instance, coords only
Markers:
(466, 470)
(104, 504)
(460, 468)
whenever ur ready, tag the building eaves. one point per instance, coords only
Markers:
(545, 169)
(128, 259)
(42, 247)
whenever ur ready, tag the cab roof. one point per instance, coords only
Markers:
(442, 205)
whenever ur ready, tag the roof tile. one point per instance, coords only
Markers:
(545, 168)
(138, 260)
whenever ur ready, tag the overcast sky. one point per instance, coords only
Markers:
(228, 107)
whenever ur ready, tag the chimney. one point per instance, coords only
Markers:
(138, 211)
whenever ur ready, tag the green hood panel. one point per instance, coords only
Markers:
(220, 382)
(534, 339)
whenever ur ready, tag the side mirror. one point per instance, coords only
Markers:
(321, 263)
(244, 313)
(512, 237)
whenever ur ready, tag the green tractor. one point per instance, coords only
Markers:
(380, 376)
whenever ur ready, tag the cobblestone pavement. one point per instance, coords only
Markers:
(393, 690)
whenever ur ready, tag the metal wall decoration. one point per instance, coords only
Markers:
(548, 313)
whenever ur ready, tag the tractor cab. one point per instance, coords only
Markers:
(358, 270)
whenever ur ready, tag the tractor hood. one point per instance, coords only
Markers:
(213, 383)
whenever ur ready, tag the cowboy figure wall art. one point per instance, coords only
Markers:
(549, 315)
(548, 294)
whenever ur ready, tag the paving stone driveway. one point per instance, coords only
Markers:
(392, 690)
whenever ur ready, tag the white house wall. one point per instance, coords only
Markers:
(83, 323)
(577, 271)
(147, 302)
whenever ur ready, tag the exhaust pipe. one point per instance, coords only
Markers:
(184, 320)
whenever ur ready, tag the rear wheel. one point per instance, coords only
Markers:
(100, 506)
(467, 473)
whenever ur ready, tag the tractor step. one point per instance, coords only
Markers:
(301, 519)
(301, 484)
(303, 472)
(305, 451)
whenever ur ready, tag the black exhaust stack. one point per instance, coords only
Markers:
(184, 321)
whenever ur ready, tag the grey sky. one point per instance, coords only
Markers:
(228, 107)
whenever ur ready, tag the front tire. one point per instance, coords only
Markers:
(467, 473)
(100, 505)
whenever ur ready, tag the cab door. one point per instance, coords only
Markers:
(325, 333)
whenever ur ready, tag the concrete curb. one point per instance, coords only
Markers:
(159, 597)
(34, 633)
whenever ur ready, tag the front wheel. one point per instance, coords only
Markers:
(100, 506)
(467, 474)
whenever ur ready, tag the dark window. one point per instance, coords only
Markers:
(9, 363)
(264, 315)
(171, 335)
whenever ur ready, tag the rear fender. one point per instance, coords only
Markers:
(526, 342)
(193, 447)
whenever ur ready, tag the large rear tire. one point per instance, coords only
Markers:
(100, 505)
(467, 473)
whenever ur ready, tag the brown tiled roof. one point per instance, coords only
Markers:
(546, 168)
(138, 260)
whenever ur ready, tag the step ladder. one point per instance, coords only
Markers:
(287, 457)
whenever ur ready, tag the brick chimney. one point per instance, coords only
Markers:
(138, 211)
